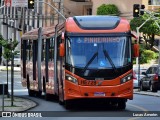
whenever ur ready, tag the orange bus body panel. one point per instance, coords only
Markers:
(109, 87)
(71, 26)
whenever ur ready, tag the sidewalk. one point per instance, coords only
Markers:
(149, 93)
(19, 104)
(4, 68)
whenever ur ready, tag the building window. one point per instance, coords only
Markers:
(154, 2)
(89, 11)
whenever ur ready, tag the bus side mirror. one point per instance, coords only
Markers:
(61, 50)
(62, 37)
(136, 50)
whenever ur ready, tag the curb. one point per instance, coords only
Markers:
(155, 94)
(3, 68)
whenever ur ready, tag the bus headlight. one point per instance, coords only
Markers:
(71, 79)
(126, 78)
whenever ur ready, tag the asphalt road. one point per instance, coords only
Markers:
(142, 104)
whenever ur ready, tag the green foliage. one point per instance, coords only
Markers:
(149, 29)
(146, 55)
(9, 48)
(109, 9)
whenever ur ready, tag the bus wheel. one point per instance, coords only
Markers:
(68, 104)
(61, 98)
(31, 92)
(61, 102)
(47, 96)
(122, 104)
(38, 93)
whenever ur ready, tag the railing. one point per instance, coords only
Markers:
(154, 2)
(81, 0)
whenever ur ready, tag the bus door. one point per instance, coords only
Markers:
(60, 67)
(23, 61)
(34, 58)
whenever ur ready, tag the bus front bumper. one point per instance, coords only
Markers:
(73, 91)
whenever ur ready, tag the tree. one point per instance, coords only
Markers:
(109, 9)
(9, 47)
(149, 29)
(8, 52)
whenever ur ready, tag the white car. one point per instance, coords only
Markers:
(135, 79)
(17, 61)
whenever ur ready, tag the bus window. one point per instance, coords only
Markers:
(30, 51)
(23, 56)
(35, 50)
(27, 50)
(51, 49)
(43, 49)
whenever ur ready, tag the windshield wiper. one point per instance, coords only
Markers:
(110, 60)
(90, 61)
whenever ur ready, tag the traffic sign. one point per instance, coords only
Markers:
(19, 3)
(8, 3)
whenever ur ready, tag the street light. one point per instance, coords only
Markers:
(53, 8)
(12, 64)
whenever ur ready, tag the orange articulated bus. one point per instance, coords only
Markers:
(37, 68)
(91, 59)
(94, 59)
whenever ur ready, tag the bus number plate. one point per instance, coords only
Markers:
(88, 82)
(99, 94)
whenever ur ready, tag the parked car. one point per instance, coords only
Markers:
(142, 69)
(17, 61)
(151, 79)
(135, 79)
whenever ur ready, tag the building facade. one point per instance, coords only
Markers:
(20, 19)
(89, 7)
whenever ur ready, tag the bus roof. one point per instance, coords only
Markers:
(47, 32)
(97, 24)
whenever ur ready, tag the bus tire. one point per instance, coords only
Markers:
(46, 96)
(30, 92)
(67, 104)
(38, 93)
(122, 104)
(61, 101)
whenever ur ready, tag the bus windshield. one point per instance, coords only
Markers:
(80, 52)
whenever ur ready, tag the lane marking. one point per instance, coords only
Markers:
(138, 107)
(19, 90)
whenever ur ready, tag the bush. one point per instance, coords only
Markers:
(147, 56)
(109, 9)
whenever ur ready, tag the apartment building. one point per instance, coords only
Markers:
(154, 5)
(89, 7)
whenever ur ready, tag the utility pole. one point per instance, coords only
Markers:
(138, 59)
(12, 72)
(138, 28)
(62, 16)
